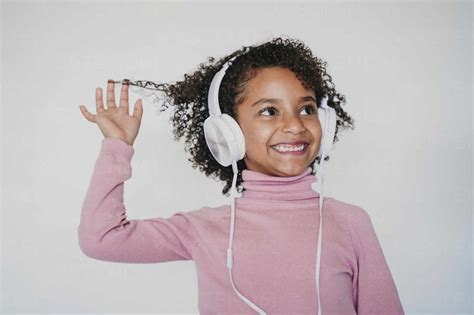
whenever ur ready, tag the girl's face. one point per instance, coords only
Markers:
(278, 110)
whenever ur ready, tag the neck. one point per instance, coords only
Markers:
(286, 188)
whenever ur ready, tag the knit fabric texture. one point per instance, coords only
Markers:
(274, 246)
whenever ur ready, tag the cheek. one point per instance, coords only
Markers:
(316, 131)
(257, 137)
(316, 134)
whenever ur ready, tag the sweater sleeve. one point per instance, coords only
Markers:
(104, 232)
(373, 286)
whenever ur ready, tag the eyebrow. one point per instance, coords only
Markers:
(276, 100)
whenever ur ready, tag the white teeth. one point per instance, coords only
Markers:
(286, 148)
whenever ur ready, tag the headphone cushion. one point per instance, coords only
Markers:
(238, 134)
(327, 119)
(224, 139)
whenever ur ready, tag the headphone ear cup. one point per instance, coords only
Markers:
(327, 118)
(322, 121)
(239, 143)
(224, 139)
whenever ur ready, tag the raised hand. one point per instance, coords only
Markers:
(115, 122)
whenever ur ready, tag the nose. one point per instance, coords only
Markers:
(292, 123)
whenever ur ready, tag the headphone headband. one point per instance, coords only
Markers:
(213, 94)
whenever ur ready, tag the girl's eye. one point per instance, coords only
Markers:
(267, 109)
(272, 109)
(311, 109)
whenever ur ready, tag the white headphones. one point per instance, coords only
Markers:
(226, 142)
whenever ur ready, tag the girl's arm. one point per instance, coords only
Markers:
(374, 289)
(104, 231)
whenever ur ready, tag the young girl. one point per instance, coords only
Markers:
(280, 258)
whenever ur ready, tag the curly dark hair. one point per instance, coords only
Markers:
(189, 97)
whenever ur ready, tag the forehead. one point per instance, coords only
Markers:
(273, 81)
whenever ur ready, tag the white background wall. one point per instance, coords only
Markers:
(405, 69)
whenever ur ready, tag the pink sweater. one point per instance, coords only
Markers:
(275, 239)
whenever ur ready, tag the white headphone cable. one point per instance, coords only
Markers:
(320, 234)
(231, 237)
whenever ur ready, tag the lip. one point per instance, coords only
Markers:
(292, 143)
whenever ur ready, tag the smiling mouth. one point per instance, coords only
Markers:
(291, 149)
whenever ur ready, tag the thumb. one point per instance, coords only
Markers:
(138, 109)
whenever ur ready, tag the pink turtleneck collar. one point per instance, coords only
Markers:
(267, 187)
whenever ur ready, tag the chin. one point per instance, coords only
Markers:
(293, 171)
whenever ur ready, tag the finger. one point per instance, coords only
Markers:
(111, 94)
(138, 109)
(124, 95)
(99, 104)
(86, 114)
